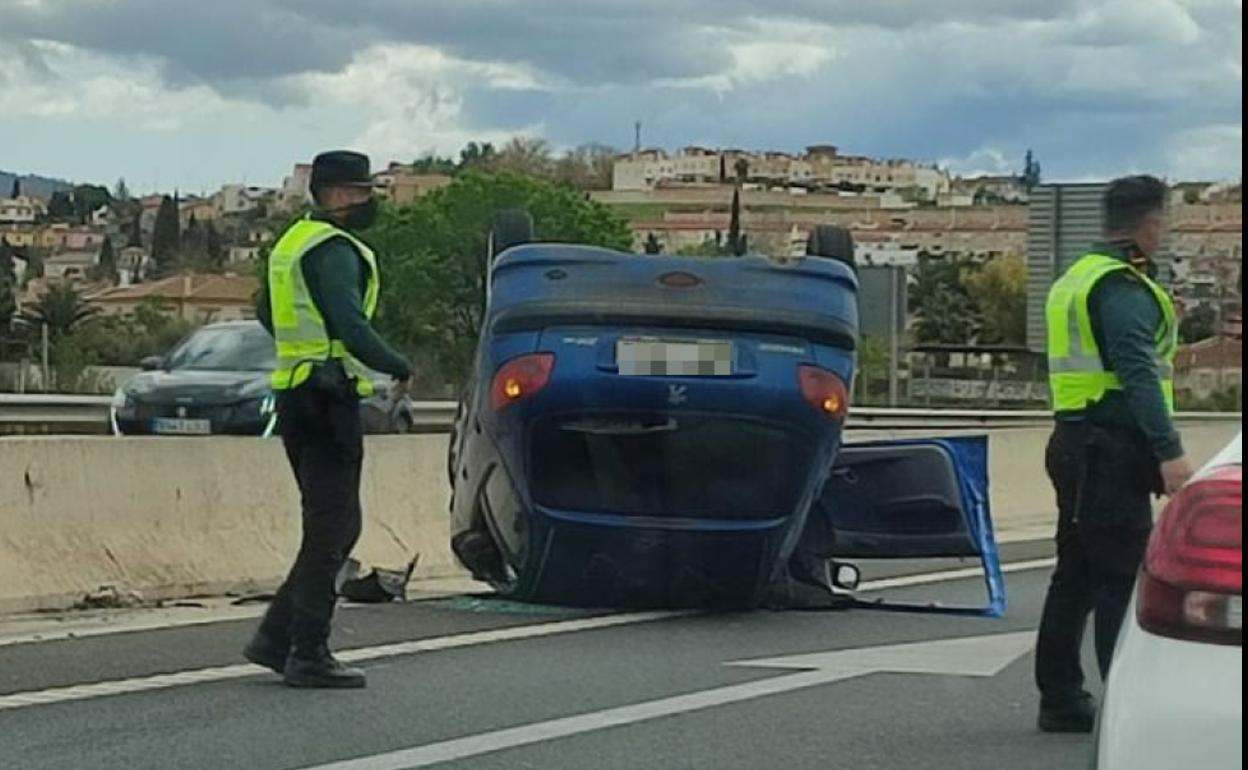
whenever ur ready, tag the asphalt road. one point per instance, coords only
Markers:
(471, 683)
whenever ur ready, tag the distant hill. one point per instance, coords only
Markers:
(37, 186)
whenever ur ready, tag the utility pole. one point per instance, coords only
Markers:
(896, 320)
(637, 138)
(47, 370)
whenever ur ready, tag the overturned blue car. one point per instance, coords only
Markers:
(665, 431)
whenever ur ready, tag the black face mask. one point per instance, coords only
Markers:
(359, 216)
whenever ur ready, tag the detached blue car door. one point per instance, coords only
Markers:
(910, 499)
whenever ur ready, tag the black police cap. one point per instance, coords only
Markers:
(341, 167)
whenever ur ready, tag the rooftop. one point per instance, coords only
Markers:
(224, 289)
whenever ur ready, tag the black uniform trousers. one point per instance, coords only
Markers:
(323, 437)
(1104, 478)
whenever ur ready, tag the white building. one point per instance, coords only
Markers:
(239, 254)
(71, 264)
(886, 253)
(296, 187)
(22, 210)
(239, 199)
(820, 166)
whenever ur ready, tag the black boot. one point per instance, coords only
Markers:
(264, 651)
(317, 668)
(1071, 715)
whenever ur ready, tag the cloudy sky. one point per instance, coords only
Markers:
(193, 94)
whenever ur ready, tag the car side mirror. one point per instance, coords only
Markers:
(152, 363)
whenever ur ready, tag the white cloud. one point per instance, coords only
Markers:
(1209, 153)
(75, 84)
(985, 161)
(410, 99)
(766, 51)
(1094, 86)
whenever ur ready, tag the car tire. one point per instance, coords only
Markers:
(509, 227)
(832, 242)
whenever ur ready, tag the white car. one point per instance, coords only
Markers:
(1174, 696)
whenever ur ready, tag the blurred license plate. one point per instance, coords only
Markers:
(181, 427)
(674, 358)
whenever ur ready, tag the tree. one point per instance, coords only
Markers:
(711, 247)
(192, 246)
(873, 360)
(588, 167)
(742, 168)
(60, 206)
(214, 250)
(89, 198)
(940, 301)
(151, 329)
(736, 239)
(432, 164)
(61, 309)
(1199, 324)
(16, 190)
(34, 265)
(476, 155)
(1031, 171)
(8, 287)
(135, 237)
(166, 237)
(106, 264)
(525, 155)
(435, 249)
(999, 292)
(122, 191)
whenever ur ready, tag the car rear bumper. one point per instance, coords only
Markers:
(1171, 704)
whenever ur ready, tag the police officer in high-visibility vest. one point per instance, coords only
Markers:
(320, 296)
(1112, 338)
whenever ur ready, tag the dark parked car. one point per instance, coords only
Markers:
(216, 381)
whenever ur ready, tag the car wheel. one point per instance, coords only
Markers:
(832, 242)
(509, 227)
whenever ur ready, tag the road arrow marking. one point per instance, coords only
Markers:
(983, 656)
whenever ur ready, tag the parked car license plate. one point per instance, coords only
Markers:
(643, 357)
(171, 426)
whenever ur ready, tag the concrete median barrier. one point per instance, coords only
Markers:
(179, 517)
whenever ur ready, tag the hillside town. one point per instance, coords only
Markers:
(195, 257)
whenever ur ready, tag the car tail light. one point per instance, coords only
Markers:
(825, 391)
(1192, 584)
(520, 378)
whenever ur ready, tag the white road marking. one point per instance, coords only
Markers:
(220, 673)
(223, 673)
(982, 656)
(953, 574)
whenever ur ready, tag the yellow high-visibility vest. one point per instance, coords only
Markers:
(1077, 374)
(298, 327)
